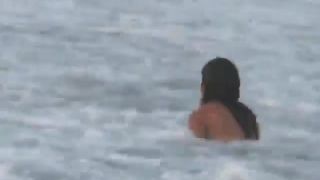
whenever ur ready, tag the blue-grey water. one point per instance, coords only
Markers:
(101, 89)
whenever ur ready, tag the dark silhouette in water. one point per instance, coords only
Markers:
(221, 85)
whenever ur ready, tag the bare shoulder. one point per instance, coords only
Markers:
(211, 109)
(214, 118)
(202, 114)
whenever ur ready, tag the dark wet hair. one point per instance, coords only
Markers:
(221, 80)
(221, 83)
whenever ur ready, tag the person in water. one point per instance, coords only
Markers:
(221, 116)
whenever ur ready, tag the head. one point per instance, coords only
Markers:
(220, 81)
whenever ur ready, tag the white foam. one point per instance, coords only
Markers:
(270, 102)
(86, 53)
(308, 107)
(233, 171)
(127, 159)
(5, 172)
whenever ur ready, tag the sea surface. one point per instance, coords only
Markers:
(102, 89)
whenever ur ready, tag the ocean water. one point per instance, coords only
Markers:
(102, 89)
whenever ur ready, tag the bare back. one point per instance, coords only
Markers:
(215, 121)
